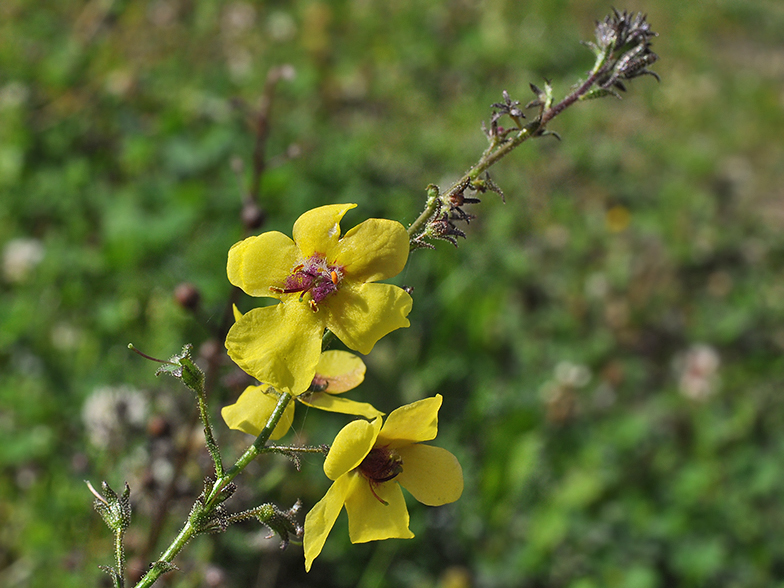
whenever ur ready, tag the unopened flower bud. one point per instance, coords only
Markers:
(187, 296)
(158, 426)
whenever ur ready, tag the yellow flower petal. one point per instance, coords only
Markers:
(376, 249)
(279, 345)
(342, 371)
(351, 445)
(318, 230)
(371, 520)
(252, 411)
(360, 314)
(411, 423)
(320, 520)
(236, 312)
(258, 263)
(431, 474)
(330, 403)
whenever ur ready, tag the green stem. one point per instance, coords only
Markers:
(490, 157)
(291, 449)
(209, 436)
(191, 529)
(598, 69)
(252, 451)
(119, 557)
(326, 339)
(497, 149)
(187, 532)
(430, 208)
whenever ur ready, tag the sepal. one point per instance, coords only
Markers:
(601, 93)
(215, 520)
(163, 566)
(182, 367)
(114, 510)
(283, 523)
(544, 98)
(117, 581)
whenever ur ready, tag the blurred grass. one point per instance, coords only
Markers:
(608, 342)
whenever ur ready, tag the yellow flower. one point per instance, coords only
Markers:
(323, 281)
(253, 409)
(336, 372)
(368, 463)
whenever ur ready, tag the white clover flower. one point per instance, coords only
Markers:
(20, 257)
(109, 412)
(697, 371)
(572, 374)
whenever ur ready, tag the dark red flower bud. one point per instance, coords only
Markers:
(187, 296)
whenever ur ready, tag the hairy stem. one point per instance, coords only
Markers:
(119, 557)
(209, 436)
(495, 152)
(213, 499)
(254, 450)
(499, 148)
(293, 449)
(598, 69)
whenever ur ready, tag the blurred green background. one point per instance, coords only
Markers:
(608, 342)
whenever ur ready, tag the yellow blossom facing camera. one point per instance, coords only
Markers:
(336, 372)
(323, 281)
(368, 463)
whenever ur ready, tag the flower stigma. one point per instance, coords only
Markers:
(379, 466)
(316, 276)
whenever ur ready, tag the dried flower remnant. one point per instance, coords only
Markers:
(622, 49)
(187, 296)
(448, 210)
(628, 38)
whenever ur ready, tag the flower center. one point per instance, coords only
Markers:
(319, 384)
(316, 276)
(380, 465)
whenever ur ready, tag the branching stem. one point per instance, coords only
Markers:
(500, 147)
(213, 499)
(494, 153)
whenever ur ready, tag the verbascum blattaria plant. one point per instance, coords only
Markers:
(329, 284)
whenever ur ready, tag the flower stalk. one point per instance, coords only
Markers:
(256, 448)
(182, 367)
(116, 513)
(209, 435)
(201, 517)
(326, 286)
(622, 51)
